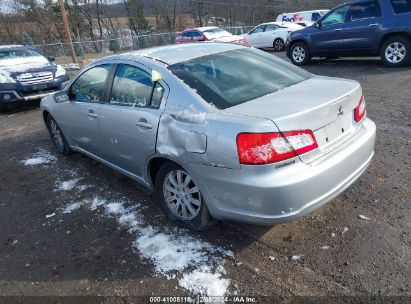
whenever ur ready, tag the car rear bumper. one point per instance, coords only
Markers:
(270, 194)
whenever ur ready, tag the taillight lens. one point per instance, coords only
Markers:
(360, 110)
(267, 148)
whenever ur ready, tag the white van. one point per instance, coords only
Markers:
(310, 16)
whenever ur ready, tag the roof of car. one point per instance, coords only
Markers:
(206, 28)
(11, 46)
(176, 53)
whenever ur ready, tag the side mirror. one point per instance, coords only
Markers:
(318, 25)
(51, 58)
(156, 76)
(60, 96)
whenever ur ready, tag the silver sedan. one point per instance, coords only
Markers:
(218, 131)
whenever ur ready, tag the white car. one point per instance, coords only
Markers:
(271, 35)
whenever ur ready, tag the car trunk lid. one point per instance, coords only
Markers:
(321, 104)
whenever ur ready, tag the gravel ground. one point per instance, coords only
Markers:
(48, 250)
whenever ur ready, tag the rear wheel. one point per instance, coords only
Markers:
(57, 136)
(300, 54)
(396, 52)
(278, 45)
(180, 198)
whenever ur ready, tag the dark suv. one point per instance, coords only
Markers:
(26, 75)
(357, 28)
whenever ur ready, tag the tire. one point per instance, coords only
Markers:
(57, 136)
(300, 54)
(177, 210)
(278, 45)
(396, 52)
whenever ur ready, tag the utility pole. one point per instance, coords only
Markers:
(67, 29)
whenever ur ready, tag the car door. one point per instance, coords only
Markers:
(268, 36)
(363, 29)
(129, 120)
(254, 37)
(328, 36)
(79, 117)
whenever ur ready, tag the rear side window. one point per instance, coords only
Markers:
(186, 36)
(315, 17)
(271, 27)
(401, 6)
(133, 87)
(364, 10)
(196, 35)
(255, 74)
(89, 87)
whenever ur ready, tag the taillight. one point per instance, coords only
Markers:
(360, 110)
(267, 148)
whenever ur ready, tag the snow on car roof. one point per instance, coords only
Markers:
(172, 54)
(11, 46)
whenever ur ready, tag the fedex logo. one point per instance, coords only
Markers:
(294, 18)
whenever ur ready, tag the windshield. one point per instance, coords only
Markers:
(233, 77)
(215, 33)
(6, 54)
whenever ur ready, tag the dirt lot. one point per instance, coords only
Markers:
(64, 228)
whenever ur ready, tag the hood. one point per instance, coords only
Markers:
(12, 67)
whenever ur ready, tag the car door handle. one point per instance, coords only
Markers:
(374, 24)
(338, 30)
(91, 114)
(143, 124)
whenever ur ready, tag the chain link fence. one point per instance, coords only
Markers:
(120, 44)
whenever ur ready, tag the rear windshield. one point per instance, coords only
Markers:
(401, 6)
(233, 77)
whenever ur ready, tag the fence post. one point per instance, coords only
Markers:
(62, 48)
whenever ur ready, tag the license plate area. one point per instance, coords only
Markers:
(333, 132)
(39, 87)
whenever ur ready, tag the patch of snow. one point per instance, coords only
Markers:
(344, 230)
(191, 115)
(333, 235)
(97, 202)
(295, 258)
(72, 207)
(83, 187)
(325, 247)
(238, 264)
(363, 217)
(271, 258)
(204, 282)
(67, 185)
(39, 158)
(50, 215)
(171, 252)
(71, 66)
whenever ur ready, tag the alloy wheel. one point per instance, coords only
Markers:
(278, 45)
(395, 52)
(181, 194)
(56, 135)
(298, 54)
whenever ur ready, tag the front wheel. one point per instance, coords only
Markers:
(180, 198)
(396, 52)
(300, 54)
(278, 45)
(57, 136)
